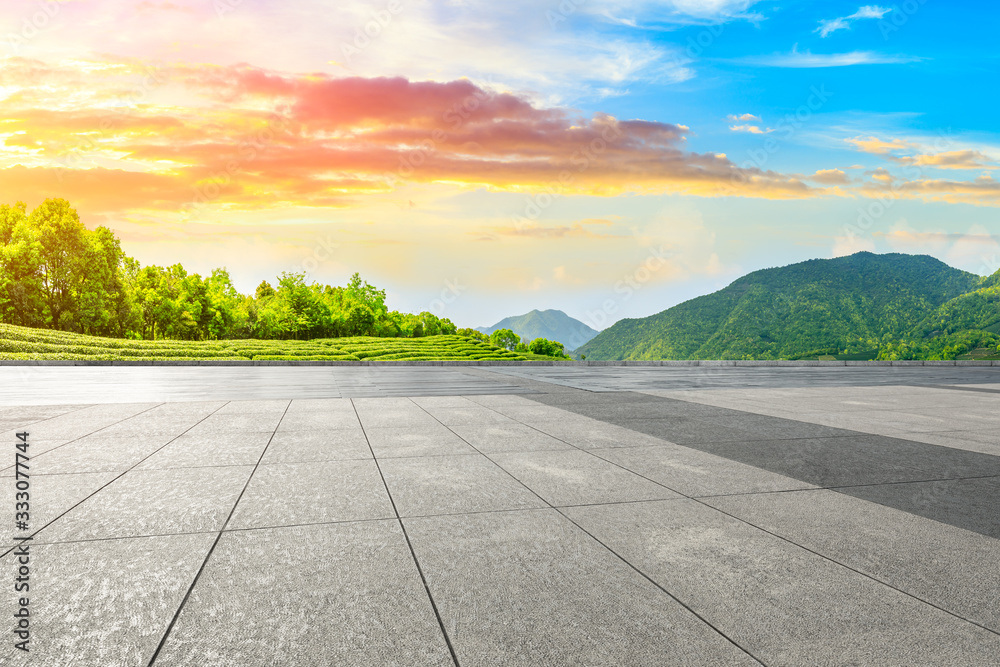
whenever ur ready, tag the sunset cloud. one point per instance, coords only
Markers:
(830, 177)
(253, 138)
(877, 146)
(964, 159)
(982, 191)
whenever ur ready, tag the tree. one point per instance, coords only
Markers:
(545, 347)
(102, 296)
(361, 292)
(264, 291)
(361, 320)
(504, 338)
(22, 299)
(62, 243)
(472, 333)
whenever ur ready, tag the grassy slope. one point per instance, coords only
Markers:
(24, 343)
(792, 311)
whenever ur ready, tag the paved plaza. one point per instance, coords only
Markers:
(481, 516)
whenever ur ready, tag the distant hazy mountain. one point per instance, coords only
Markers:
(550, 324)
(907, 306)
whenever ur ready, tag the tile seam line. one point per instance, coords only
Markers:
(957, 388)
(606, 547)
(63, 414)
(110, 481)
(87, 435)
(852, 569)
(828, 558)
(849, 486)
(785, 539)
(215, 543)
(850, 434)
(409, 544)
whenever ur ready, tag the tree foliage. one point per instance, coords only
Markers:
(57, 274)
(505, 338)
(864, 305)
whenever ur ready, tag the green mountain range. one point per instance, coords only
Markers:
(863, 306)
(551, 324)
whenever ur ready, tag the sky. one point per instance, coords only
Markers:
(480, 159)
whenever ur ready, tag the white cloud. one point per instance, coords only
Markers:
(850, 244)
(797, 59)
(844, 23)
(752, 129)
(733, 118)
(648, 13)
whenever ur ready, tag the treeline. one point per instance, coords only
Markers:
(509, 340)
(57, 274)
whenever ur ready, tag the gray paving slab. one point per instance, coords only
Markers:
(411, 416)
(35, 448)
(79, 423)
(543, 584)
(641, 379)
(277, 405)
(515, 582)
(317, 445)
(507, 437)
(949, 567)
(417, 441)
(215, 449)
(589, 433)
(477, 416)
(336, 594)
(780, 602)
(89, 385)
(106, 602)
(23, 414)
(432, 402)
(576, 477)
(49, 496)
(683, 430)
(238, 422)
(153, 502)
(319, 420)
(286, 494)
(453, 484)
(966, 503)
(320, 405)
(96, 453)
(530, 413)
(696, 473)
(861, 459)
(501, 400)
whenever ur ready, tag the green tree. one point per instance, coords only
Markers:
(504, 338)
(545, 347)
(62, 243)
(22, 299)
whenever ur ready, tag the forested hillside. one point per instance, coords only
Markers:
(550, 324)
(864, 305)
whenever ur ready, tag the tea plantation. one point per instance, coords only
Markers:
(22, 343)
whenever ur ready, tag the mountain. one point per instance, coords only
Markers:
(968, 323)
(856, 304)
(551, 324)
